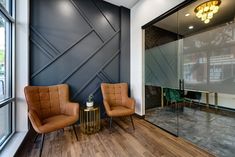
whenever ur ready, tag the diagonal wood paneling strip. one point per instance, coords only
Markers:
(167, 62)
(44, 67)
(86, 19)
(48, 54)
(95, 75)
(47, 42)
(101, 77)
(106, 76)
(160, 67)
(103, 15)
(154, 74)
(95, 90)
(87, 59)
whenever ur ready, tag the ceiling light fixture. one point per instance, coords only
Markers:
(206, 10)
(187, 14)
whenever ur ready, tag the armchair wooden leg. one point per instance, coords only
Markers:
(74, 129)
(36, 137)
(110, 124)
(42, 140)
(132, 122)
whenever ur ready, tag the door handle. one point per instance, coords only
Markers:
(181, 84)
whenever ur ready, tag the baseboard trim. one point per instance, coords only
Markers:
(139, 116)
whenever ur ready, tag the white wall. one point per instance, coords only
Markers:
(143, 12)
(22, 63)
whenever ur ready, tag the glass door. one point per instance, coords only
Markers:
(163, 97)
(190, 76)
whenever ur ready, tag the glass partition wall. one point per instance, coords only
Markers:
(163, 73)
(190, 75)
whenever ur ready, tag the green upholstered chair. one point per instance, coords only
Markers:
(173, 97)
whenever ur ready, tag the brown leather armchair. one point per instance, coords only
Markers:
(116, 101)
(49, 109)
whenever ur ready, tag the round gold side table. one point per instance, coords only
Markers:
(90, 119)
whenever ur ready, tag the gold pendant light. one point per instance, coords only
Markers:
(206, 10)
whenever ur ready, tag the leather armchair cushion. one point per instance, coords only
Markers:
(117, 111)
(56, 122)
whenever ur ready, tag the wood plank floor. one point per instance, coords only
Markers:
(145, 141)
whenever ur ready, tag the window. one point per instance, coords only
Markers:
(6, 5)
(5, 123)
(3, 2)
(6, 89)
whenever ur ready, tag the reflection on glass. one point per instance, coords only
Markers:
(4, 66)
(5, 123)
(209, 59)
(202, 59)
(161, 65)
(5, 4)
(195, 68)
(161, 74)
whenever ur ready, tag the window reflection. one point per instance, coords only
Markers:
(3, 2)
(209, 58)
(4, 61)
(5, 123)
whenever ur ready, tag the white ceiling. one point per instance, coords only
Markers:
(125, 3)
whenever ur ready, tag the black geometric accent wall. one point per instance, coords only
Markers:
(79, 42)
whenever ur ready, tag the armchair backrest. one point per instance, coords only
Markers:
(47, 101)
(173, 95)
(114, 94)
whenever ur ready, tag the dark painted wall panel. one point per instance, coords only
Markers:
(38, 57)
(125, 46)
(56, 21)
(96, 18)
(113, 66)
(111, 12)
(65, 64)
(95, 64)
(81, 43)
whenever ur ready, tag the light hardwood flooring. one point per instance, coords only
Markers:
(146, 140)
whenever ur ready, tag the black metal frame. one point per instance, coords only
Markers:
(74, 129)
(132, 122)
(41, 145)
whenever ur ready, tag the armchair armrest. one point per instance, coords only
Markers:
(72, 109)
(130, 103)
(35, 120)
(107, 107)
